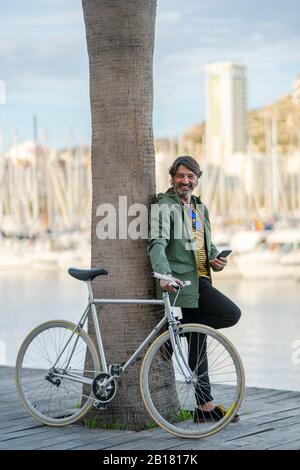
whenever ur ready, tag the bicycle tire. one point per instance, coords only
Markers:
(26, 374)
(162, 387)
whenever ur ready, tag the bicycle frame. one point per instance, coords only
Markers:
(169, 317)
(174, 376)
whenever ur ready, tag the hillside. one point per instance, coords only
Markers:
(286, 113)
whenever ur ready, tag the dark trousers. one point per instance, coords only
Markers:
(215, 310)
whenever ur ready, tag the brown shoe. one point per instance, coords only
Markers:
(218, 413)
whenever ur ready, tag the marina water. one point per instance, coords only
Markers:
(267, 336)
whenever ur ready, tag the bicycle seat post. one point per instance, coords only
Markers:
(96, 325)
(90, 290)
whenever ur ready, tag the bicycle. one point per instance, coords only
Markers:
(60, 375)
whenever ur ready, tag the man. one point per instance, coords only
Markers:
(191, 256)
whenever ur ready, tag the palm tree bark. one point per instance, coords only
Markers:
(120, 41)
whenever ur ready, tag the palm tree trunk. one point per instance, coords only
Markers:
(120, 40)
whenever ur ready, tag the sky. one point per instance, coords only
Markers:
(44, 63)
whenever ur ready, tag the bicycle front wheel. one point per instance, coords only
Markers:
(205, 367)
(54, 372)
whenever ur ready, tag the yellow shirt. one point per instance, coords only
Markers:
(198, 232)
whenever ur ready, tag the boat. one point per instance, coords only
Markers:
(277, 256)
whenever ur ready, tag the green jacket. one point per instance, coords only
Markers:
(172, 250)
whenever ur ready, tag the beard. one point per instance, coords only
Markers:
(185, 190)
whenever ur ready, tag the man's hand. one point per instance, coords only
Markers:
(166, 286)
(218, 264)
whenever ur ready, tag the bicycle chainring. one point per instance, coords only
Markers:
(106, 394)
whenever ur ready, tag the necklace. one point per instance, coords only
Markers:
(192, 212)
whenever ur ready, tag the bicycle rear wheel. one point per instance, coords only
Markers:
(170, 395)
(46, 388)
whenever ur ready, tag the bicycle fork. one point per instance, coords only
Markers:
(180, 357)
(183, 365)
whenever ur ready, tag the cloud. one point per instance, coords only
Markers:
(267, 42)
(24, 63)
(62, 20)
(42, 40)
(44, 59)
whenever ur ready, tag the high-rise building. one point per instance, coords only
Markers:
(226, 111)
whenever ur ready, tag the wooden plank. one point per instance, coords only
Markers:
(155, 443)
(294, 445)
(82, 441)
(273, 417)
(278, 436)
(36, 442)
(31, 432)
(37, 438)
(10, 423)
(267, 409)
(57, 440)
(276, 442)
(19, 427)
(212, 442)
(132, 439)
(10, 415)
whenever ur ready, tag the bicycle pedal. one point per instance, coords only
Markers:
(99, 406)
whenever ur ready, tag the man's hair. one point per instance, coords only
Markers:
(187, 161)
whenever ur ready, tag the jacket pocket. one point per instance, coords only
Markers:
(180, 268)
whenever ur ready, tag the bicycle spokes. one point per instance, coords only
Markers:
(56, 369)
(172, 394)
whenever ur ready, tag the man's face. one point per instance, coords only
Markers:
(184, 181)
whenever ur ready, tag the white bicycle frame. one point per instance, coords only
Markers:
(168, 317)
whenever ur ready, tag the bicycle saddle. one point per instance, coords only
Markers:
(86, 274)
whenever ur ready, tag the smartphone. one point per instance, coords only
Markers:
(224, 254)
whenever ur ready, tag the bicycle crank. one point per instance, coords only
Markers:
(102, 393)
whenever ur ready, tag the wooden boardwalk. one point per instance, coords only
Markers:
(270, 419)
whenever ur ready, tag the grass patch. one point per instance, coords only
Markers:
(90, 423)
(151, 425)
(180, 415)
(93, 423)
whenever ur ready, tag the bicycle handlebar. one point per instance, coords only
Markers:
(171, 280)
